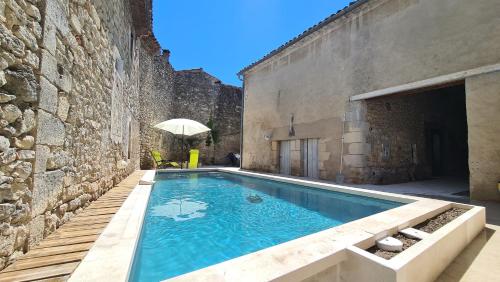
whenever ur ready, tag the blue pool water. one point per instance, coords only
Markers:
(194, 220)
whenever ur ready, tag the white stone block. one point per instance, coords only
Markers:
(49, 37)
(75, 24)
(3, 81)
(4, 143)
(50, 130)
(354, 137)
(56, 13)
(355, 160)
(353, 126)
(414, 233)
(36, 228)
(390, 244)
(47, 187)
(48, 96)
(359, 149)
(63, 108)
(48, 67)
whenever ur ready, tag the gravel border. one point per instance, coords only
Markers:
(428, 226)
(440, 220)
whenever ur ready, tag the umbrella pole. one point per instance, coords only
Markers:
(182, 148)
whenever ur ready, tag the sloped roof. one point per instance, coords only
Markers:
(329, 19)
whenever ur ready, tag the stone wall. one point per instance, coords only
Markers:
(388, 139)
(483, 102)
(72, 69)
(308, 83)
(82, 82)
(202, 97)
(227, 122)
(88, 110)
(20, 39)
(157, 94)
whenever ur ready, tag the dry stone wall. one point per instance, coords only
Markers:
(398, 144)
(82, 82)
(20, 38)
(202, 97)
(69, 95)
(195, 97)
(88, 109)
(157, 94)
(227, 122)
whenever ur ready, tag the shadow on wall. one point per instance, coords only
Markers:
(418, 136)
(199, 96)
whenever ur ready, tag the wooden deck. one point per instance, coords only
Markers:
(58, 255)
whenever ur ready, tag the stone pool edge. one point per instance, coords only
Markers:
(317, 255)
(111, 256)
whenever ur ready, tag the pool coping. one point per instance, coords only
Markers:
(112, 255)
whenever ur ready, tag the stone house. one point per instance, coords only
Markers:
(205, 99)
(383, 91)
(81, 84)
(193, 94)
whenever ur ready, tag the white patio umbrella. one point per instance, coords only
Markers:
(184, 127)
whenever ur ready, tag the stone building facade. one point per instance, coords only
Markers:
(202, 97)
(371, 87)
(227, 122)
(192, 94)
(399, 144)
(69, 112)
(157, 94)
(81, 84)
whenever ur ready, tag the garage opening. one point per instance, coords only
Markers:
(420, 136)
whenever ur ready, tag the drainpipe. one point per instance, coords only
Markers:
(340, 176)
(242, 78)
(342, 145)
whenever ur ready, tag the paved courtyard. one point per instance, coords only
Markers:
(480, 260)
(450, 189)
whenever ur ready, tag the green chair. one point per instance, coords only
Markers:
(160, 162)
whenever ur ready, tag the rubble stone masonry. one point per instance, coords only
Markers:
(202, 97)
(81, 84)
(323, 84)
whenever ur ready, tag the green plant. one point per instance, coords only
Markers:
(213, 135)
(208, 141)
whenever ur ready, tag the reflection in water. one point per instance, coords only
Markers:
(180, 210)
(199, 219)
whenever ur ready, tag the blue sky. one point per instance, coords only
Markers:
(224, 36)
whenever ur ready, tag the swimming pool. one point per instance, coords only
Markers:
(194, 220)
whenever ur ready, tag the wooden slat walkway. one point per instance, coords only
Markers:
(58, 255)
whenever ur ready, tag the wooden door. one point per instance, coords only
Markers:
(311, 165)
(285, 167)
